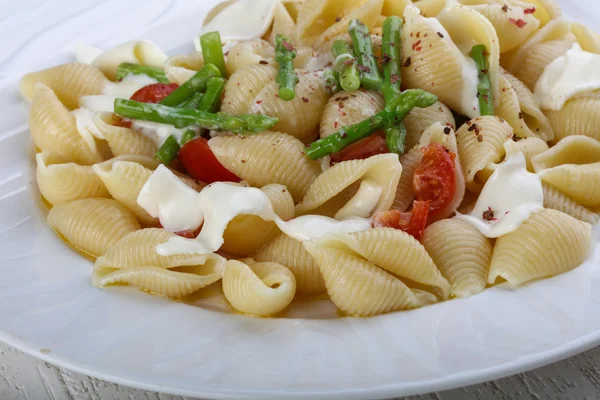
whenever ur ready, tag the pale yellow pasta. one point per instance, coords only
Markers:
(121, 140)
(137, 52)
(521, 109)
(431, 61)
(527, 62)
(529, 147)
(573, 167)
(283, 23)
(290, 253)
(579, 116)
(430, 8)
(243, 86)
(346, 108)
(133, 260)
(245, 234)
(480, 143)
(394, 251)
(504, 16)
(124, 180)
(359, 288)
(545, 10)
(556, 200)
(293, 7)
(334, 187)
(182, 67)
(405, 193)
(61, 181)
(547, 244)
(68, 81)
(320, 20)
(462, 254)
(258, 288)
(419, 119)
(250, 52)
(53, 128)
(270, 157)
(92, 226)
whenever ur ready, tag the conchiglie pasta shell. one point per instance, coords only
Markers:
(290, 253)
(476, 154)
(580, 182)
(359, 288)
(258, 288)
(249, 52)
(137, 52)
(53, 128)
(326, 195)
(283, 24)
(61, 181)
(182, 67)
(545, 10)
(556, 200)
(92, 225)
(530, 147)
(299, 117)
(394, 7)
(577, 150)
(346, 108)
(123, 140)
(419, 119)
(68, 81)
(394, 251)
(405, 193)
(579, 116)
(462, 254)
(270, 157)
(430, 8)
(243, 86)
(245, 234)
(547, 244)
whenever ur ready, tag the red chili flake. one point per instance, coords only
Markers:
(363, 68)
(407, 62)
(343, 114)
(518, 22)
(336, 124)
(473, 127)
(416, 44)
(258, 101)
(505, 8)
(529, 10)
(277, 95)
(386, 59)
(338, 19)
(238, 84)
(263, 62)
(418, 34)
(243, 161)
(288, 46)
(226, 53)
(394, 78)
(488, 215)
(342, 98)
(348, 62)
(480, 138)
(304, 99)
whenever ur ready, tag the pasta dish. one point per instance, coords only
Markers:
(384, 154)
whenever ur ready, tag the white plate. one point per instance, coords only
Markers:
(49, 309)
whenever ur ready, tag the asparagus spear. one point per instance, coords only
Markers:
(212, 51)
(332, 84)
(391, 115)
(180, 117)
(192, 102)
(363, 51)
(168, 151)
(125, 69)
(196, 83)
(346, 66)
(480, 54)
(395, 137)
(390, 57)
(286, 76)
(211, 101)
(187, 136)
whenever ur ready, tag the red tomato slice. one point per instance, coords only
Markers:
(364, 148)
(154, 93)
(435, 178)
(412, 222)
(188, 234)
(200, 162)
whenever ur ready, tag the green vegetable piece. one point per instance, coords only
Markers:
(212, 51)
(125, 69)
(395, 137)
(390, 58)
(211, 101)
(332, 84)
(346, 66)
(287, 79)
(196, 83)
(187, 136)
(193, 102)
(480, 54)
(168, 151)
(370, 77)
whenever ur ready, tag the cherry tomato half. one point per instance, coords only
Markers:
(200, 163)
(412, 222)
(154, 93)
(435, 179)
(364, 148)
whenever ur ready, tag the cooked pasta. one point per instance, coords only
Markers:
(258, 288)
(92, 226)
(297, 156)
(547, 244)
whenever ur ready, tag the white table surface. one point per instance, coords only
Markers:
(24, 377)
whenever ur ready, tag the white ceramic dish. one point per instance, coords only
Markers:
(49, 309)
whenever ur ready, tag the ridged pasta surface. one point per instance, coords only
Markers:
(559, 201)
(579, 116)
(345, 108)
(123, 140)
(419, 119)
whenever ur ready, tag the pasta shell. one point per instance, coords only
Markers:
(53, 128)
(68, 81)
(394, 251)
(290, 253)
(243, 86)
(359, 288)
(283, 24)
(122, 140)
(547, 244)
(137, 52)
(545, 10)
(556, 200)
(405, 193)
(270, 157)
(579, 116)
(247, 53)
(92, 226)
(333, 188)
(394, 7)
(245, 234)
(61, 181)
(419, 119)
(430, 8)
(346, 108)
(462, 254)
(182, 67)
(480, 143)
(258, 288)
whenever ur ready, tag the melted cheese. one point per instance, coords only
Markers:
(508, 198)
(363, 203)
(572, 75)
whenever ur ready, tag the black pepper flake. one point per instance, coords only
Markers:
(447, 130)
(516, 138)
(386, 59)
(263, 62)
(521, 115)
(304, 99)
(505, 8)
(407, 62)
(473, 127)
(488, 215)
(243, 161)
(440, 34)
(338, 19)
